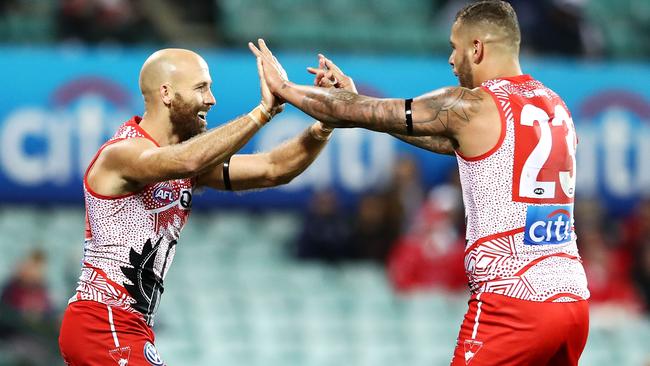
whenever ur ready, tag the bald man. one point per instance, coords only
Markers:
(515, 144)
(138, 194)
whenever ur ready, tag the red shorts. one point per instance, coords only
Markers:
(504, 331)
(95, 334)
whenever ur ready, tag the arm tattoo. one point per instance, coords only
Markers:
(341, 108)
(442, 112)
(344, 95)
(435, 143)
(453, 108)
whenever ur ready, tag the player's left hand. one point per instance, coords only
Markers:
(329, 75)
(273, 71)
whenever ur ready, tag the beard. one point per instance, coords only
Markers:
(185, 121)
(465, 76)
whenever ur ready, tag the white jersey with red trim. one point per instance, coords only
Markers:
(131, 239)
(519, 199)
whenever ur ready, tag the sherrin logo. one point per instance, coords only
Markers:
(548, 224)
(164, 195)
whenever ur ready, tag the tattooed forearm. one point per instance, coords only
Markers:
(437, 144)
(340, 108)
(344, 95)
(441, 112)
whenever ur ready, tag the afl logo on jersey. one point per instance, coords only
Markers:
(164, 195)
(539, 191)
(151, 354)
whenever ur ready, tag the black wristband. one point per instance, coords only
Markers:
(409, 116)
(226, 174)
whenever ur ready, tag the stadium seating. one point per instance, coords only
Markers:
(384, 25)
(235, 297)
(416, 26)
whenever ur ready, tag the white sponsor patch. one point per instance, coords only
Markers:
(151, 354)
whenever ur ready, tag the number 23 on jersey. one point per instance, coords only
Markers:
(544, 165)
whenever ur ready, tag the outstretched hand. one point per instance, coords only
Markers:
(271, 103)
(274, 74)
(328, 75)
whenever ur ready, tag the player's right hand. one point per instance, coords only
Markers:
(271, 103)
(328, 75)
(273, 72)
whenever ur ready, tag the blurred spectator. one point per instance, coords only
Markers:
(326, 230)
(606, 262)
(5, 6)
(28, 326)
(636, 227)
(376, 226)
(431, 253)
(642, 272)
(636, 241)
(206, 11)
(94, 21)
(557, 27)
(407, 188)
(607, 270)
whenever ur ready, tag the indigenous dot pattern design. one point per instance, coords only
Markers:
(119, 232)
(496, 258)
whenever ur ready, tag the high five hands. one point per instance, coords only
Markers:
(273, 72)
(328, 75)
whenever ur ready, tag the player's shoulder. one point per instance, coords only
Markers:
(458, 94)
(479, 99)
(121, 151)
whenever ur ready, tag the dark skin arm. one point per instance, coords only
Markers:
(329, 75)
(441, 112)
(445, 112)
(436, 144)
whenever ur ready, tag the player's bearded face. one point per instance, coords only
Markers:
(185, 119)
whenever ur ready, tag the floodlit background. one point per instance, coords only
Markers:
(358, 261)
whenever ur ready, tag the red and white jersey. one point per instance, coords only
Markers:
(131, 239)
(519, 199)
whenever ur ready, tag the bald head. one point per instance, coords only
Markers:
(494, 20)
(172, 66)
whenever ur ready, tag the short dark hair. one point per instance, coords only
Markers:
(492, 12)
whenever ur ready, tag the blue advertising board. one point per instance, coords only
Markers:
(58, 106)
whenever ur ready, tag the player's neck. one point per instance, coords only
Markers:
(498, 68)
(159, 128)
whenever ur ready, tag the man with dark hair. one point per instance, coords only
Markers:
(515, 144)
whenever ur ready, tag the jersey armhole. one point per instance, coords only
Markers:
(502, 135)
(92, 163)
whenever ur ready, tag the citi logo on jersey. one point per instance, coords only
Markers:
(548, 224)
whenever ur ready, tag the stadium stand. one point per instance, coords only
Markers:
(235, 297)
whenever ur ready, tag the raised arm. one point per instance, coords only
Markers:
(276, 167)
(128, 165)
(329, 75)
(437, 144)
(441, 112)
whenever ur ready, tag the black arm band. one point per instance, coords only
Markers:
(226, 174)
(409, 116)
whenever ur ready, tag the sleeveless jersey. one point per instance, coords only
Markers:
(519, 199)
(131, 239)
